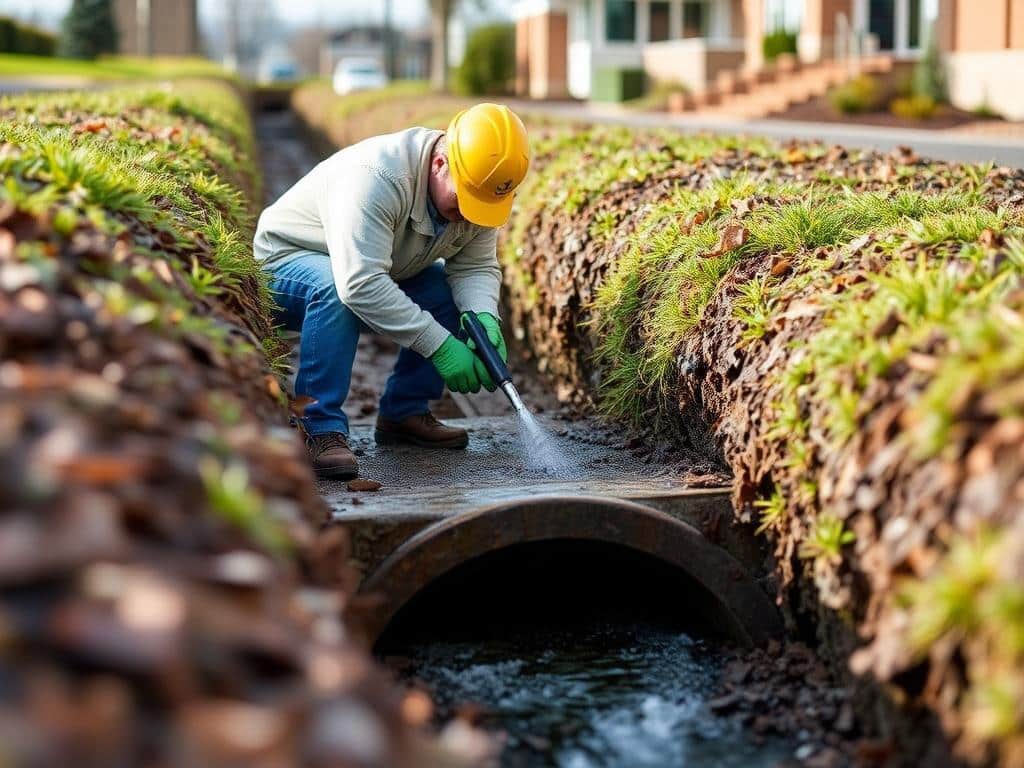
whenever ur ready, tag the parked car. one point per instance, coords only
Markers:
(358, 74)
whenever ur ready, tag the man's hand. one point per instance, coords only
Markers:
(461, 370)
(493, 329)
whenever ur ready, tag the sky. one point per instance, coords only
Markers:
(294, 12)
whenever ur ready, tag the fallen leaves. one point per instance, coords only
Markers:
(133, 573)
(733, 236)
(725, 405)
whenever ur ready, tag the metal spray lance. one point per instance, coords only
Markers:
(492, 361)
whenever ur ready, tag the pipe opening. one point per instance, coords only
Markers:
(555, 585)
(576, 653)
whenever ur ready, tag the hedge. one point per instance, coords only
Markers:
(20, 38)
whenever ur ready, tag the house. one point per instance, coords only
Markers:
(157, 27)
(411, 50)
(562, 45)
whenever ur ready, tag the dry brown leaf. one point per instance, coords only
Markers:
(299, 404)
(733, 236)
(795, 155)
(103, 469)
(888, 325)
(91, 126)
(361, 484)
(781, 266)
(688, 225)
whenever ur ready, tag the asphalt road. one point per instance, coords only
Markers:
(938, 145)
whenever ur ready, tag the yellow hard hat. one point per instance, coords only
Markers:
(488, 155)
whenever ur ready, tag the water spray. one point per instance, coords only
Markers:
(541, 450)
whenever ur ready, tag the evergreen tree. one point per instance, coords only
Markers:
(89, 30)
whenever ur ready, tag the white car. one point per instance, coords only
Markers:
(358, 74)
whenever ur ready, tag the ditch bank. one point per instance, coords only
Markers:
(170, 594)
(839, 330)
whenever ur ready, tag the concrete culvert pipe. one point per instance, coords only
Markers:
(707, 581)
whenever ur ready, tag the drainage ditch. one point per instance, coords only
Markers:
(575, 650)
(578, 654)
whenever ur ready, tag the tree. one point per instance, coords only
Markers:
(490, 61)
(89, 30)
(440, 13)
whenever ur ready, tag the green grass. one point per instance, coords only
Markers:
(165, 173)
(16, 66)
(827, 539)
(656, 293)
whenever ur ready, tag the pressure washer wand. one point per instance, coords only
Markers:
(492, 360)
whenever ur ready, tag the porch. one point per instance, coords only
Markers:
(561, 44)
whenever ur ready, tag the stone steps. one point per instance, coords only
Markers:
(754, 95)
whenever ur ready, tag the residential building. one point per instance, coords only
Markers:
(411, 50)
(157, 27)
(561, 44)
(983, 42)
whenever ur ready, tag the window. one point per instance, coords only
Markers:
(659, 21)
(620, 21)
(914, 24)
(882, 22)
(695, 18)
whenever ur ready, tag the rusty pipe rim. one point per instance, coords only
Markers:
(436, 550)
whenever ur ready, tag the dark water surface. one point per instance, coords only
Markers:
(598, 695)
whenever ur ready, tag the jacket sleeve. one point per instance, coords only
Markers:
(359, 212)
(474, 274)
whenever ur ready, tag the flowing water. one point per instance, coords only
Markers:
(604, 694)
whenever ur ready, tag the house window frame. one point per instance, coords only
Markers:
(635, 39)
(901, 25)
(705, 32)
(669, 19)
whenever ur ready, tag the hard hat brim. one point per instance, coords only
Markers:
(485, 213)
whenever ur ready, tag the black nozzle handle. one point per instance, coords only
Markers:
(485, 350)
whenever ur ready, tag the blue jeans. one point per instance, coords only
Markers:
(303, 288)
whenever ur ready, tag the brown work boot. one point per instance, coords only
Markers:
(331, 456)
(423, 430)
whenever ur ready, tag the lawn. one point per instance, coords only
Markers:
(15, 66)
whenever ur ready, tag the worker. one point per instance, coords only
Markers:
(396, 235)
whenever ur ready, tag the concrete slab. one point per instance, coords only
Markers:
(423, 486)
(499, 465)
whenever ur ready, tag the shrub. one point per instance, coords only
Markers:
(779, 41)
(20, 38)
(929, 76)
(985, 111)
(858, 95)
(489, 64)
(89, 30)
(658, 95)
(916, 107)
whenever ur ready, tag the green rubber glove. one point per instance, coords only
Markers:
(458, 366)
(493, 328)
